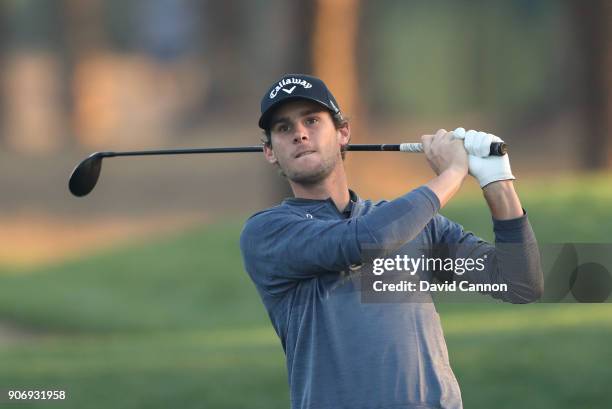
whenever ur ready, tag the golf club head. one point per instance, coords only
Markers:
(85, 176)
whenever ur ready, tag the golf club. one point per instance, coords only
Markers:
(85, 175)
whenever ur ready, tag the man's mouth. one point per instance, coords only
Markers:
(304, 153)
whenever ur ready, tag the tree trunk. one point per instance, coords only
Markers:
(335, 50)
(593, 22)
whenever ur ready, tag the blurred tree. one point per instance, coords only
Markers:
(136, 72)
(91, 82)
(252, 44)
(84, 26)
(3, 96)
(593, 23)
(334, 47)
(31, 77)
(247, 42)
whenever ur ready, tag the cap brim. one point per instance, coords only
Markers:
(264, 119)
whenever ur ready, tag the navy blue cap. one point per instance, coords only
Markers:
(295, 86)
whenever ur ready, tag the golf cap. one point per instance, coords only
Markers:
(295, 86)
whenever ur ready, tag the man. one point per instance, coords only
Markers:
(303, 256)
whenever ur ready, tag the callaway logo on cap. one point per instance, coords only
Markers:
(285, 85)
(295, 86)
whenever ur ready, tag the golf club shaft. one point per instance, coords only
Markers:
(85, 176)
(497, 149)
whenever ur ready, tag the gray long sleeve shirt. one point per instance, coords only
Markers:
(342, 352)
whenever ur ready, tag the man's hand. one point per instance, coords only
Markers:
(444, 152)
(448, 158)
(486, 169)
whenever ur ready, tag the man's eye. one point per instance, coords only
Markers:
(312, 121)
(282, 128)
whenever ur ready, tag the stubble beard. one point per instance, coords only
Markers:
(313, 176)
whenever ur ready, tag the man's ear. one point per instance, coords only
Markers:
(344, 134)
(269, 154)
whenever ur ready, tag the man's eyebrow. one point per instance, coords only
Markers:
(305, 112)
(278, 120)
(311, 111)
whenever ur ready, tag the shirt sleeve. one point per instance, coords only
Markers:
(514, 259)
(282, 244)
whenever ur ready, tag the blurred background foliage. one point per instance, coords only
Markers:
(135, 296)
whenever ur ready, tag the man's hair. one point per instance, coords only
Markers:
(338, 119)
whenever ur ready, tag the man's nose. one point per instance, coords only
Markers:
(300, 134)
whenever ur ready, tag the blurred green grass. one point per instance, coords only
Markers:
(175, 322)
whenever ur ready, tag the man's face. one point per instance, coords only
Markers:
(305, 142)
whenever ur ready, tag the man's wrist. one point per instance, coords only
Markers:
(503, 200)
(455, 172)
(499, 187)
(446, 184)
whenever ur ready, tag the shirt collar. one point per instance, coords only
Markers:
(353, 198)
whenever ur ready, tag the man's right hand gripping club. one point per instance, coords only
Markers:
(449, 160)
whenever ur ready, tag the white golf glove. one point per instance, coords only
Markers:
(486, 169)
